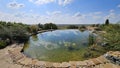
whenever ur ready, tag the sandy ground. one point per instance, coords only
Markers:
(6, 61)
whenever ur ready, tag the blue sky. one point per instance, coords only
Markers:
(60, 11)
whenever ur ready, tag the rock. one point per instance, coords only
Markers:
(81, 64)
(65, 65)
(49, 65)
(73, 64)
(41, 63)
(56, 65)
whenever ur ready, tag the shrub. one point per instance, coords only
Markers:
(87, 55)
(40, 26)
(91, 39)
(82, 27)
(112, 36)
(50, 26)
(72, 27)
(2, 44)
(33, 29)
(13, 31)
(107, 22)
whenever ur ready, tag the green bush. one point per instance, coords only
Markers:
(82, 27)
(2, 44)
(40, 26)
(13, 31)
(107, 22)
(50, 26)
(112, 36)
(87, 55)
(91, 39)
(72, 27)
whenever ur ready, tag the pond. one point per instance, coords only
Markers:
(58, 45)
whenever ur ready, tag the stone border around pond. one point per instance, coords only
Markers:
(20, 59)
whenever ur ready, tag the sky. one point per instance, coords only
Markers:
(60, 11)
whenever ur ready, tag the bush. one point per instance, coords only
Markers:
(50, 26)
(13, 31)
(19, 35)
(107, 22)
(2, 44)
(33, 29)
(91, 39)
(112, 36)
(98, 29)
(72, 27)
(87, 55)
(40, 26)
(82, 27)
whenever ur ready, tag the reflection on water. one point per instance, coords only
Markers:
(51, 45)
(34, 38)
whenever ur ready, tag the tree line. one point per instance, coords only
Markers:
(12, 32)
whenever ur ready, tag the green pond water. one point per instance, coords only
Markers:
(58, 45)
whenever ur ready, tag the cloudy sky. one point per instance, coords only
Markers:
(60, 11)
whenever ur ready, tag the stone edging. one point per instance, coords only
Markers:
(19, 58)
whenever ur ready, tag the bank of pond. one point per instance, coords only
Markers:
(63, 45)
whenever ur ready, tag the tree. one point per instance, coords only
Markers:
(72, 27)
(112, 36)
(19, 35)
(2, 44)
(34, 29)
(107, 22)
(40, 26)
(50, 26)
(13, 31)
(82, 27)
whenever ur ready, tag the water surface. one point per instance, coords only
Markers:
(58, 45)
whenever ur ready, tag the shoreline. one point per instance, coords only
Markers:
(19, 59)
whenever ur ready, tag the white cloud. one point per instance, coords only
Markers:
(54, 13)
(77, 14)
(41, 2)
(113, 17)
(58, 17)
(60, 2)
(64, 2)
(97, 13)
(112, 10)
(118, 6)
(15, 5)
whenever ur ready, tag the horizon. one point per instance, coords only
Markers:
(60, 11)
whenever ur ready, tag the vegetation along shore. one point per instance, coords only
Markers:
(109, 40)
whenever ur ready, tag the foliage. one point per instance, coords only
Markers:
(95, 25)
(112, 36)
(2, 44)
(98, 29)
(50, 26)
(91, 39)
(19, 35)
(34, 29)
(82, 28)
(40, 26)
(72, 27)
(13, 31)
(107, 22)
(87, 54)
